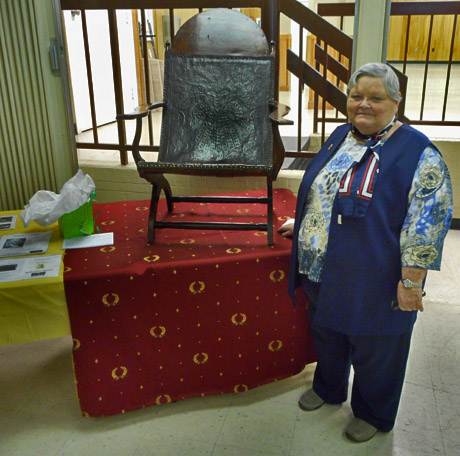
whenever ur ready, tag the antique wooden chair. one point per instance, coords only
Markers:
(219, 117)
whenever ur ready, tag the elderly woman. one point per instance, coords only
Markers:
(372, 212)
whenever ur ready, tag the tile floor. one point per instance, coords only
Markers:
(39, 413)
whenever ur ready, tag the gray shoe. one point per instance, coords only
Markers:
(360, 430)
(310, 401)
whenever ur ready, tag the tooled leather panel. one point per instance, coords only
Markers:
(217, 110)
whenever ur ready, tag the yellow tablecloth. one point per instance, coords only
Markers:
(34, 309)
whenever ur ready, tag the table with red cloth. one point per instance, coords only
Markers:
(195, 313)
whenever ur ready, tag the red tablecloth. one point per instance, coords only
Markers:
(195, 313)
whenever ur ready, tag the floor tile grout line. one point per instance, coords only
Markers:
(222, 425)
(58, 452)
(439, 422)
(293, 432)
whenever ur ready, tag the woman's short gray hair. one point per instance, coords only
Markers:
(381, 71)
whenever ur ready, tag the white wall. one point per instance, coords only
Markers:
(101, 66)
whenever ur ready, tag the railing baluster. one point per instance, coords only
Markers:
(172, 31)
(300, 91)
(316, 98)
(89, 75)
(324, 98)
(406, 46)
(145, 54)
(340, 60)
(428, 49)
(449, 65)
(116, 69)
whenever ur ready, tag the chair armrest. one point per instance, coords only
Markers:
(141, 111)
(277, 113)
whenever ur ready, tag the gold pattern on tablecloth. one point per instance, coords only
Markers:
(116, 375)
(187, 241)
(240, 388)
(141, 208)
(275, 345)
(239, 319)
(151, 258)
(158, 334)
(277, 275)
(284, 218)
(158, 400)
(242, 211)
(107, 248)
(76, 344)
(200, 358)
(260, 233)
(193, 288)
(233, 250)
(67, 269)
(108, 222)
(116, 299)
(178, 216)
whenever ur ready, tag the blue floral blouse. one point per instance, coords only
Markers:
(425, 226)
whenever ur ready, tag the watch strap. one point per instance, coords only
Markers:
(409, 284)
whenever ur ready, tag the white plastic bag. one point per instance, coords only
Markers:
(46, 207)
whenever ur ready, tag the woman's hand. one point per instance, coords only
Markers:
(287, 228)
(409, 299)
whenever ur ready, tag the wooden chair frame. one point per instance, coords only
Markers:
(190, 39)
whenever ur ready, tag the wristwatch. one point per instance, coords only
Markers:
(409, 284)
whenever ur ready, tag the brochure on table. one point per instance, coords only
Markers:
(24, 267)
(24, 243)
(84, 242)
(7, 222)
(34, 267)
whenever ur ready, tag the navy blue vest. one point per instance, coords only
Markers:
(363, 263)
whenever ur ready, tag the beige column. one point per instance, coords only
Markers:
(372, 18)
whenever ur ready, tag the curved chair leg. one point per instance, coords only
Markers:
(159, 182)
(163, 182)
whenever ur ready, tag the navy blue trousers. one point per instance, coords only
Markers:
(379, 364)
